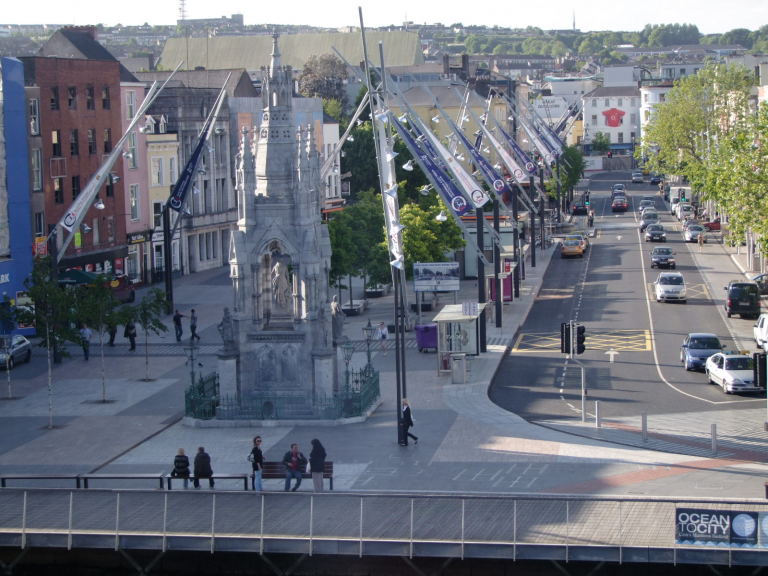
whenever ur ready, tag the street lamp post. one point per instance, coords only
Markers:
(191, 352)
(347, 350)
(368, 331)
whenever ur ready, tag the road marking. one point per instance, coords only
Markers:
(612, 353)
(618, 237)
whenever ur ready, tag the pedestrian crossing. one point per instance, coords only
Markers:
(176, 349)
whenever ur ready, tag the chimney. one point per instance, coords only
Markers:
(465, 67)
(90, 30)
(446, 64)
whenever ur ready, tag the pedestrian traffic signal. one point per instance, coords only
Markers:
(565, 338)
(586, 199)
(580, 338)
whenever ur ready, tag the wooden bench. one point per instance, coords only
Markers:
(158, 477)
(243, 477)
(75, 477)
(276, 471)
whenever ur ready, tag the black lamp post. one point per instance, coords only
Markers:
(191, 352)
(347, 350)
(368, 331)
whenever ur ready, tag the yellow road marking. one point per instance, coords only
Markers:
(695, 291)
(619, 340)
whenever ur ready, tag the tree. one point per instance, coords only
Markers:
(360, 159)
(333, 108)
(99, 308)
(147, 314)
(324, 77)
(343, 249)
(7, 324)
(600, 143)
(366, 223)
(424, 238)
(51, 315)
(737, 36)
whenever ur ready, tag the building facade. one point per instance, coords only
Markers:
(615, 112)
(163, 158)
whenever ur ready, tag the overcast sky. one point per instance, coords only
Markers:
(709, 15)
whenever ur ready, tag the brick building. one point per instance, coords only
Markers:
(74, 118)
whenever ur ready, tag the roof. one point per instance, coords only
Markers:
(613, 91)
(126, 76)
(328, 119)
(252, 52)
(239, 83)
(74, 44)
(428, 68)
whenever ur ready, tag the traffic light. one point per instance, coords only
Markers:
(759, 369)
(565, 338)
(586, 199)
(580, 338)
(682, 194)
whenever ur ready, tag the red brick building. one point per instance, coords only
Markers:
(77, 82)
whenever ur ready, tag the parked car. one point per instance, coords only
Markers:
(692, 233)
(670, 287)
(19, 350)
(655, 179)
(663, 257)
(655, 233)
(762, 283)
(733, 372)
(571, 248)
(760, 331)
(743, 299)
(649, 217)
(697, 347)
(673, 205)
(713, 225)
(637, 177)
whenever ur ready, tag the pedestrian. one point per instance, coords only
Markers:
(193, 327)
(181, 467)
(408, 422)
(701, 240)
(85, 338)
(383, 335)
(317, 464)
(294, 462)
(177, 324)
(130, 333)
(112, 334)
(256, 458)
(202, 468)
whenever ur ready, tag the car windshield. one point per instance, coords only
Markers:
(738, 363)
(696, 228)
(671, 280)
(655, 228)
(662, 251)
(646, 203)
(686, 208)
(647, 215)
(704, 343)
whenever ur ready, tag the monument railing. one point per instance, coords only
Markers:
(348, 402)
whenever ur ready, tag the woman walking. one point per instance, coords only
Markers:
(383, 335)
(181, 467)
(256, 458)
(408, 422)
(701, 240)
(317, 464)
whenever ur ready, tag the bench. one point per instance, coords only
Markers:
(158, 477)
(75, 477)
(243, 477)
(276, 471)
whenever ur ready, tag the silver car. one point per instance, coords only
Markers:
(670, 287)
(19, 350)
(692, 233)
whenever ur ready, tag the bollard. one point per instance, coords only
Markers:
(598, 422)
(714, 438)
(645, 426)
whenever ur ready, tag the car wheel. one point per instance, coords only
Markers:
(682, 357)
(10, 363)
(709, 378)
(687, 366)
(28, 357)
(132, 297)
(728, 314)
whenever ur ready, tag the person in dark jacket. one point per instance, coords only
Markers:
(202, 468)
(294, 462)
(130, 333)
(181, 467)
(256, 459)
(317, 464)
(408, 422)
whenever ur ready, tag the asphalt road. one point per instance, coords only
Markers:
(608, 292)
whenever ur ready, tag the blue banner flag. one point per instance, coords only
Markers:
(529, 164)
(187, 176)
(490, 174)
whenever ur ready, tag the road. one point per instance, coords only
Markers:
(608, 291)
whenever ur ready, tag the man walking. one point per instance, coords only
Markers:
(130, 333)
(193, 327)
(85, 336)
(177, 324)
(294, 462)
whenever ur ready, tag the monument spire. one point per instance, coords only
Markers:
(276, 62)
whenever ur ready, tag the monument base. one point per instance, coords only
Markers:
(324, 369)
(227, 373)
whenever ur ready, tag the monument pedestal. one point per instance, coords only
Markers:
(323, 368)
(228, 373)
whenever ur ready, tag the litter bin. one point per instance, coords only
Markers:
(426, 336)
(458, 368)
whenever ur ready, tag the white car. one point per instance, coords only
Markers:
(733, 372)
(692, 233)
(645, 204)
(670, 287)
(637, 177)
(760, 331)
(685, 211)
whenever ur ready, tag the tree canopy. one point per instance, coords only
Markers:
(324, 77)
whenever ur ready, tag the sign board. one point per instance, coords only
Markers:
(138, 237)
(436, 277)
(345, 188)
(712, 527)
(41, 247)
(555, 105)
(469, 309)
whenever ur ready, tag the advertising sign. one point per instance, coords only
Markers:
(707, 527)
(436, 277)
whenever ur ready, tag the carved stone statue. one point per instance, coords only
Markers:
(280, 287)
(338, 319)
(227, 331)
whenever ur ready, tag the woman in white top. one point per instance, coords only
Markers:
(383, 335)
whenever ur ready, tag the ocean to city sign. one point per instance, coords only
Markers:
(725, 528)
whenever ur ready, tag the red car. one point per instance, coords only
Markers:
(619, 205)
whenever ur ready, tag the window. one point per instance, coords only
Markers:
(157, 213)
(662, 97)
(130, 104)
(89, 103)
(201, 246)
(632, 135)
(172, 170)
(72, 97)
(107, 140)
(682, 72)
(207, 207)
(75, 186)
(133, 160)
(594, 102)
(607, 102)
(109, 188)
(39, 224)
(594, 119)
(214, 245)
(58, 190)
(54, 97)
(621, 101)
(96, 231)
(74, 146)
(91, 141)
(647, 115)
(158, 178)
(105, 98)
(695, 70)
(645, 98)
(621, 138)
(37, 169)
(34, 117)
(135, 208)
(56, 141)
(111, 228)
(632, 102)
(633, 119)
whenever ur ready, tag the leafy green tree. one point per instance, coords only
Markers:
(366, 223)
(600, 143)
(343, 249)
(737, 36)
(147, 314)
(51, 315)
(424, 238)
(360, 159)
(333, 108)
(324, 77)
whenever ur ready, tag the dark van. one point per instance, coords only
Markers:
(743, 299)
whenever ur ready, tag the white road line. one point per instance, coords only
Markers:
(459, 474)
(532, 481)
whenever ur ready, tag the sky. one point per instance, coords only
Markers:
(711, 16)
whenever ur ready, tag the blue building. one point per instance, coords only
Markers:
(15, 219)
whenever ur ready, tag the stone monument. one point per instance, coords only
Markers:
(279, 256)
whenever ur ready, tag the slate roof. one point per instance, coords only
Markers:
(74, 44)
(205, 79)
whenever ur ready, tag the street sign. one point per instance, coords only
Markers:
(469, 309)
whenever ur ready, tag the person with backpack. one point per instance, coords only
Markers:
(256, 458)
(181, 467)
